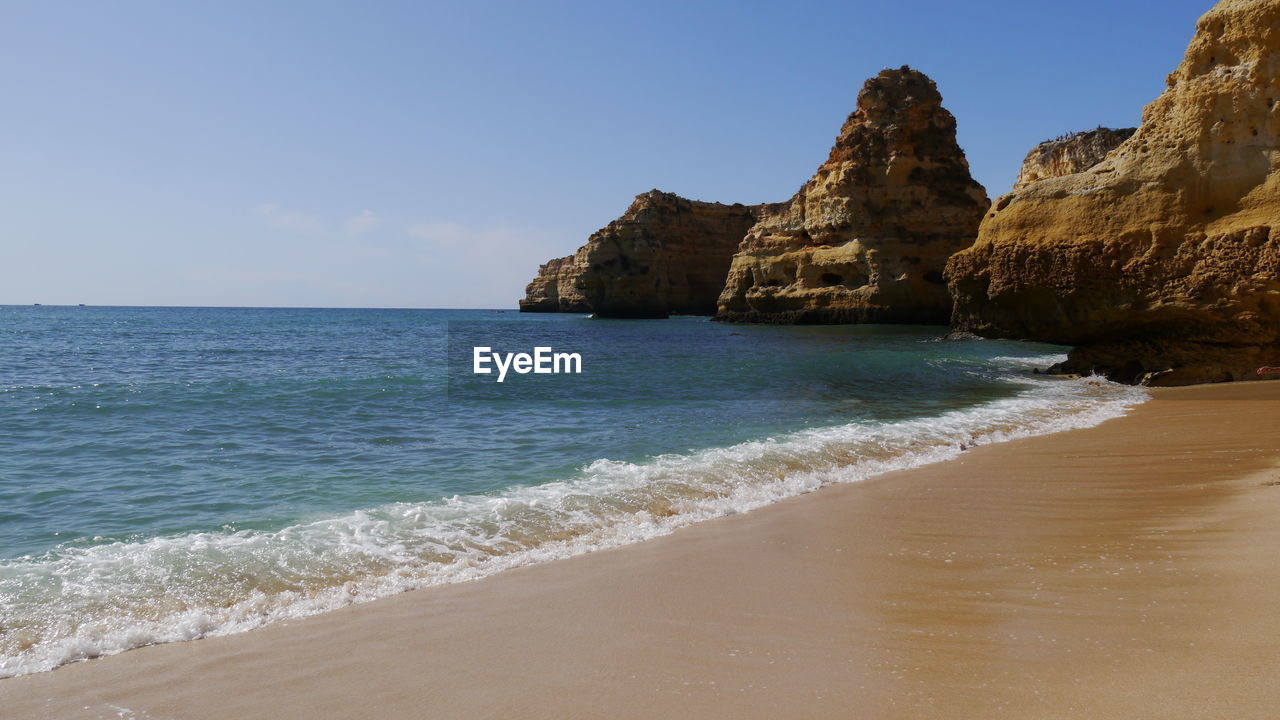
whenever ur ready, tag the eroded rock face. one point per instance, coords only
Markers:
(665, 255)
(1070, 154)
(1162, 263)
(552, 289)
(866, 239)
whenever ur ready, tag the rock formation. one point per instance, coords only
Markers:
(1070, 154)
(665, 255)
(1161, 263)
(866, 239)
(552, 289)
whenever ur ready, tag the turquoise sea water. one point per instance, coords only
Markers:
(168, 473)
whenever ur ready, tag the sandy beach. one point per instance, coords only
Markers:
(1123, 571)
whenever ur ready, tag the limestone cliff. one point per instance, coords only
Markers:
(1162, 263)
(1070, 154)
(866, 239)
(665, 255)
(552, 289)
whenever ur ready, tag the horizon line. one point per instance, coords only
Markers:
(246, 307)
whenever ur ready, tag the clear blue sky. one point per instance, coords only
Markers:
(418, 154)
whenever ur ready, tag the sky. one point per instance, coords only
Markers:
(432, 154)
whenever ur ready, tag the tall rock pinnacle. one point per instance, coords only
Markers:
(866, 239)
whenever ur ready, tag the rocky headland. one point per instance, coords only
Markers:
(1070, 154)
(666, 255)
(1161, 264)
(866, 238)
(552, 289)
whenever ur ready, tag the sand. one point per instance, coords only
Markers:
(1130, 570)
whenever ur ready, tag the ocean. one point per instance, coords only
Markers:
(173, 473)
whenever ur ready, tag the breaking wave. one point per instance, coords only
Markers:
(78, 602)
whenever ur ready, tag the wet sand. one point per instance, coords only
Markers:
(1130, 570)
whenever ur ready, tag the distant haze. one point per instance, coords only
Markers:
(408, 154)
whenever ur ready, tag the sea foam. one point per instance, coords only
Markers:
(74, 603)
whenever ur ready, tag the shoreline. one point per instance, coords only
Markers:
(666, 492)
(1115, 571)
